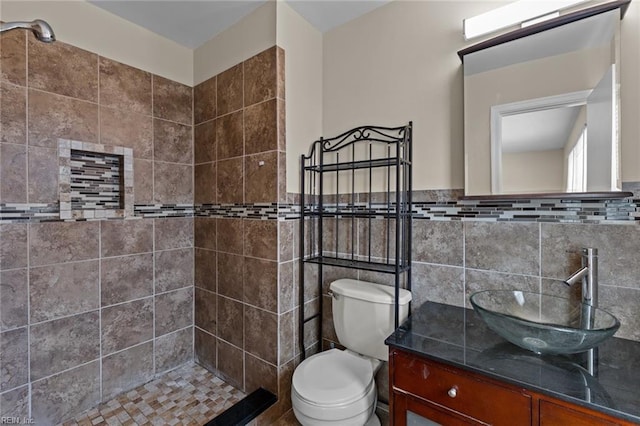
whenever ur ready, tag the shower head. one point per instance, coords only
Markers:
(40, 28)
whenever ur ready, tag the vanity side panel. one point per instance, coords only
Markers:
(560, 413)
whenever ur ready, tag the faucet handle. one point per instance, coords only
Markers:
(584, 251)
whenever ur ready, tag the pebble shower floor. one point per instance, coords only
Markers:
(189, 395)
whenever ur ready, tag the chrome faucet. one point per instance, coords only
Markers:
(589, 276)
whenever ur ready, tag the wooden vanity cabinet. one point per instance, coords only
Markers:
(429, 393)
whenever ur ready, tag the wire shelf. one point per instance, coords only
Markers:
(355, 207)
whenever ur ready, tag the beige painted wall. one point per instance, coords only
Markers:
(88, 27)
(529, 80)
(302, 44)
(249, 36)
(533, 171)
(270, 24)
(399, 63)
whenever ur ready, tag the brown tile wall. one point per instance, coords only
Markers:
(75, 94)
(77, 295)
(453, 259)
(239, 140)
(244, 313)
(90, 309)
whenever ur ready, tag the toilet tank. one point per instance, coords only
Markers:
(363, 315)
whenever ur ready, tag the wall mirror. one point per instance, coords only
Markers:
(541, 109)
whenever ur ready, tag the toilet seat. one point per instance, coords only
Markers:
(333, 377)
(334, 386)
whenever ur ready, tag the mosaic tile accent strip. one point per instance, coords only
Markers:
(288, 211)
(10, 212)
(189, 395)
(164, 210)
(533, 210)
(266, 211)
(95, 181)
(624, 211)
(71, 210)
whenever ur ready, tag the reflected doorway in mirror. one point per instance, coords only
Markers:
(551, 158)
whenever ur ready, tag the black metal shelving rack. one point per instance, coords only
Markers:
(372, 182)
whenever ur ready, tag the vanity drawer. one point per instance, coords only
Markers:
(464, 393)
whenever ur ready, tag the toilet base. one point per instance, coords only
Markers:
(373, 420)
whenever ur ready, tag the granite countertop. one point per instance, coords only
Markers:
(458, 337)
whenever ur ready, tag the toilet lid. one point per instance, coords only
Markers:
(333, 377)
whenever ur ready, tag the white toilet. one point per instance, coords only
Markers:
(337, 387)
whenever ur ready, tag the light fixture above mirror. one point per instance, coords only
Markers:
(521, 12)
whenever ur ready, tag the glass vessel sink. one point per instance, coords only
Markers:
(543, 323)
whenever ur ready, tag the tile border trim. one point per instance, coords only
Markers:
(616, 211)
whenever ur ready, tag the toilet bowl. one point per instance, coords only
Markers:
(335, 388)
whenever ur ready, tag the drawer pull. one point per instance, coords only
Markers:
(453, 392)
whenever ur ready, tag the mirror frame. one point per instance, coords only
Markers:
(524, 32)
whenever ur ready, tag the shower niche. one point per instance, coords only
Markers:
(96, 181)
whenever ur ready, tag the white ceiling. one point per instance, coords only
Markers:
(587, 33)
(552, 129)
(192, 23)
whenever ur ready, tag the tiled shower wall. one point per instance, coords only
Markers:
(243, 263)
(90, 308)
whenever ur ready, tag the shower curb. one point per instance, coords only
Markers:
(245, 410)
